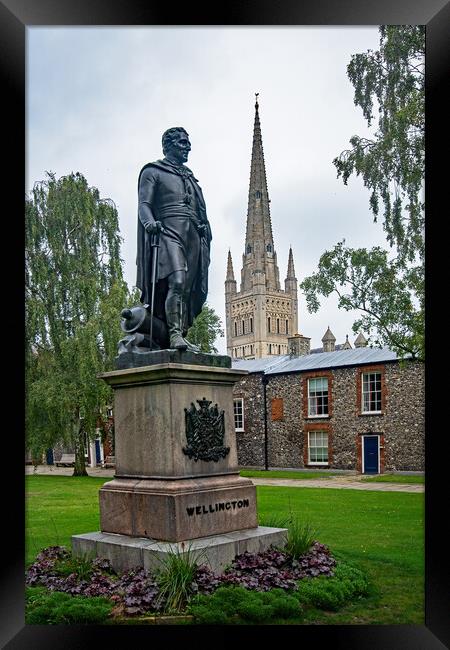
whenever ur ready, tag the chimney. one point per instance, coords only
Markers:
(298, 345)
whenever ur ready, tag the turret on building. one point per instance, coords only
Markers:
(260, 317)
(329, 341)
(360, 341)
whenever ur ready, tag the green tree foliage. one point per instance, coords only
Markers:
(205, 329)
(74, 294)
(389, 85)
(378, 287)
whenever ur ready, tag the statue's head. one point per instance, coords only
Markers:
(175, 144)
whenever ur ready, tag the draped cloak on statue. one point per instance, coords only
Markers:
(176, 200)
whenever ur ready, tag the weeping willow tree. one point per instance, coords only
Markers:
(74, 294)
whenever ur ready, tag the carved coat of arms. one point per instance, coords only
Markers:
(205, 430)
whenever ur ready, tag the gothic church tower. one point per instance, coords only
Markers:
(261, 316)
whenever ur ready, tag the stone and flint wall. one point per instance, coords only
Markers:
(250, 442)
(401, 424)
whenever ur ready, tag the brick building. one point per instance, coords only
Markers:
(352, 409)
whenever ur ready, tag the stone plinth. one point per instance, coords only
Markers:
(177, 485)
(216, 551)
(150, 418)
(178, 510)
(161, 490)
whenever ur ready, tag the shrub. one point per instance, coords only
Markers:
(331, 593)
(232, 604)
(57, 608)
(136, 592)
(268, 570)
(56, 569)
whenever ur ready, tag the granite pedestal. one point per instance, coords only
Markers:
(177, 477)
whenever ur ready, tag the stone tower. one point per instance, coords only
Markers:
(261, 316)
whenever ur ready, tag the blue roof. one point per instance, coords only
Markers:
(276, 365)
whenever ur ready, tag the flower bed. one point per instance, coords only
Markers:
(138, 592)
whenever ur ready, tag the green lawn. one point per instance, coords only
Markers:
(256, 473)
(396, 478)
(382, 533)
(58, 507)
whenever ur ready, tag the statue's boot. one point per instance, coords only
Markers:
(174, 317)
(190, 346)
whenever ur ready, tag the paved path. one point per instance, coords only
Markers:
(338, 482)
(348, 482)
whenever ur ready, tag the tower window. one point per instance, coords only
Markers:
(278, 325)
(268, 324)
(235, 328)
(243, 327)
(269, 248)
(258, 194)
(249, 248)
(287, 326)
(251, 324)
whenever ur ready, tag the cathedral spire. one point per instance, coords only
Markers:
(230, 272)
(259, 253)
(290, 270)
(230, 282)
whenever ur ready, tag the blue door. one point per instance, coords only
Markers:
(97, 452)
(49, 457)
(370, 454)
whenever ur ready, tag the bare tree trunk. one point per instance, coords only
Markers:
(78, 440)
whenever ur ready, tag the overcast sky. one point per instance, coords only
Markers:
(99, 99)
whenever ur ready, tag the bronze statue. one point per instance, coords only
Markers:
(173, 250)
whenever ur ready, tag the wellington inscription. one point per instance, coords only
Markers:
(218, 507)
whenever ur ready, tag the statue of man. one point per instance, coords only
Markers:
(171, 204)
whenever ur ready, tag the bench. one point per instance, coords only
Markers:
(67, 460)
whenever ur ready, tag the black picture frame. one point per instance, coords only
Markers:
(15, 16)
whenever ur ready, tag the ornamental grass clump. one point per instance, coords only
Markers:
(176, 578)
(300, 537)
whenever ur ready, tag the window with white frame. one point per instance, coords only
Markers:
(371, 392)
(318, 397)
(238, 413)
(317, 447)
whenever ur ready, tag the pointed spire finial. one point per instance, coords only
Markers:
(230, 272)
(290, 269)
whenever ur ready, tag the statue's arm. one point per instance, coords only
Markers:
(147, 189)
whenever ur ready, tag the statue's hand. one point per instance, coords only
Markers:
(154, 227)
